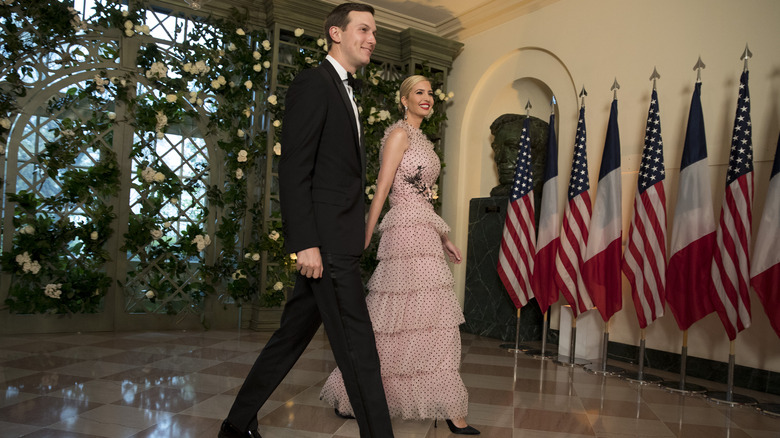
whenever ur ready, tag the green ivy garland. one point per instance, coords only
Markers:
(58, 265)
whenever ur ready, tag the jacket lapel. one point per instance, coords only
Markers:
(347, 106)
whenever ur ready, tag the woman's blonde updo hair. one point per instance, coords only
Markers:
(406, 88)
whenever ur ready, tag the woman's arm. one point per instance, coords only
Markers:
(395, 146)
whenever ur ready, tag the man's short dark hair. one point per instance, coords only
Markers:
(339, 17)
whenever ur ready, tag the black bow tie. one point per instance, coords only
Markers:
(354, 83)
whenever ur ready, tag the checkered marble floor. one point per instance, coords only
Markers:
(181, 384)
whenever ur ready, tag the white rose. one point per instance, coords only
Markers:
(145, 29)
(256, 257)
(156, 234)
(128, 24)
(232, 84)
(187, 67)
(174, 201)
(298, 32)
(222, 80)
(240, 31)
(159, 177)
(167, 224)
(239, 173)
(171, 98)
(278, 148)
(267, 64)
(232, 47)
(93, 235)
(150, 294)
(5, 123)
(320, 41)
(274, 235)
(277, 123)
(256, 54)
(199, 101)
(247, 112)
(240, 133)
(129, 32)
(266, 45)
(272, 99)
(278, 285)
(160, 135)
(257, 67)
(248, 85)
(215, 84)
(111, 115)
(125, 13)
(247, 255)
(450, 94)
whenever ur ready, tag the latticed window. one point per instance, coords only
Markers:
(142, 144)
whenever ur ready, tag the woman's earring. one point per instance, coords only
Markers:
(406, 109)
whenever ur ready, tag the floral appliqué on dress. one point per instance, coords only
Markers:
(423, 189)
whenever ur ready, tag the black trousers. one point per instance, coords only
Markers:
(336, 300)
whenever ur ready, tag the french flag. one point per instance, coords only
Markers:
(689, 286)
(602, 270)
(765, 271)
(548, 240)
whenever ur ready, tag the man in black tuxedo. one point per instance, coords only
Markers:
(321, 180)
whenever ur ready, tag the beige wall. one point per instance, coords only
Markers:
(572, 43)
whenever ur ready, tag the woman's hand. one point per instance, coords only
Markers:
(452, 251)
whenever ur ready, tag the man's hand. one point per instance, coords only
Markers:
(309, 262)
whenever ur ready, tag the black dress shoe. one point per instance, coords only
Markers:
(346, 417)
(229, 431)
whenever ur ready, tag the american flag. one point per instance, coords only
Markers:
(601, 269)
(516, 258)
(731, 260)
(574, 233)
(765, 269)
(547, 242)
(644, 260)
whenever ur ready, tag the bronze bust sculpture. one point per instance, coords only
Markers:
(506, 130)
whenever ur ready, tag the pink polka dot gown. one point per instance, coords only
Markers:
(411, 301)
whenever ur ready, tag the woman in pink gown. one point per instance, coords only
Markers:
(413, 308)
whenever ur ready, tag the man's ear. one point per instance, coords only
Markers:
(335, 34)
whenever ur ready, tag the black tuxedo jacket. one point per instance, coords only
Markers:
(322, 168)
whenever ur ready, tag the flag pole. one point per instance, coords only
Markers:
(640, 376)
(571, 361)
(542, 354)
(682, 386)
(728, 397)
(717, 396)
(604, 369)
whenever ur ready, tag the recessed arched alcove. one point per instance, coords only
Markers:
(524, 74)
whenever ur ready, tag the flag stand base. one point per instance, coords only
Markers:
(542, 355)
(771, 409)
(686, 388)
(514, 348)
(731, 399)
(568, 362)
(643, 379)
(604, 370)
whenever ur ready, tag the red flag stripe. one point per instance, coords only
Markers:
(574, 238)
(730, 268)
(514, 261)
(647, 245)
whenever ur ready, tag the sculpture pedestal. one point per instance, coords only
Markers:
(487, 307)
(590, 335)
